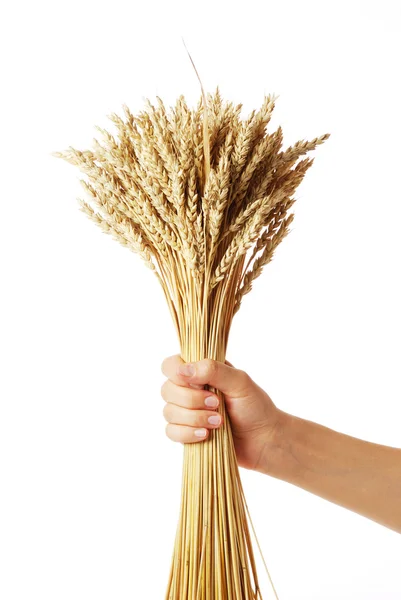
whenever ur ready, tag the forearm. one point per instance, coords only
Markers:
(358, 475)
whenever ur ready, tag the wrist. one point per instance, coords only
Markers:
(278, 458)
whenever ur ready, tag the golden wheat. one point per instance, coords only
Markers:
(203, 197)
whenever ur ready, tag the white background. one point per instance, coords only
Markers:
(90, 485)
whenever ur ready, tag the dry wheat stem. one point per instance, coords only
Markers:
(203, 196)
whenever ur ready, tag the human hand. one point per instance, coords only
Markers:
(191, 411)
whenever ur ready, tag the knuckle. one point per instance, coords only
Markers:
(168, 364)
(163, 389)
(168, 431)
(173, 433)
(167, 412)
(244, 378)
(210, 366)
(163, 366)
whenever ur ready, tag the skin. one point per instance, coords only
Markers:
(353, 473)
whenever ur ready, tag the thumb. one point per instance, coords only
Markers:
(230, 381)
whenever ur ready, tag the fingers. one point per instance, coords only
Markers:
(190, 413)
(230, 381)
(186, 435)
(190, 409)
(197, 419)
(188, 397)
(170, 369)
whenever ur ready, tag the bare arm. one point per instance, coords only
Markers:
(358, 475)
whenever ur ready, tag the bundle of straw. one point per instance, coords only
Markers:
(203, 196)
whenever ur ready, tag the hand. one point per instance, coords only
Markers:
(191, 411)
(350, 472)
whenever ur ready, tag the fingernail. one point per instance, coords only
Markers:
(211, 401)
(200, 432)
(186, 369)
(214, 420)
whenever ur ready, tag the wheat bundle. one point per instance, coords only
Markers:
(203, 196)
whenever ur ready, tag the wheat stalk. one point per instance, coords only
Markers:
(202, 195)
